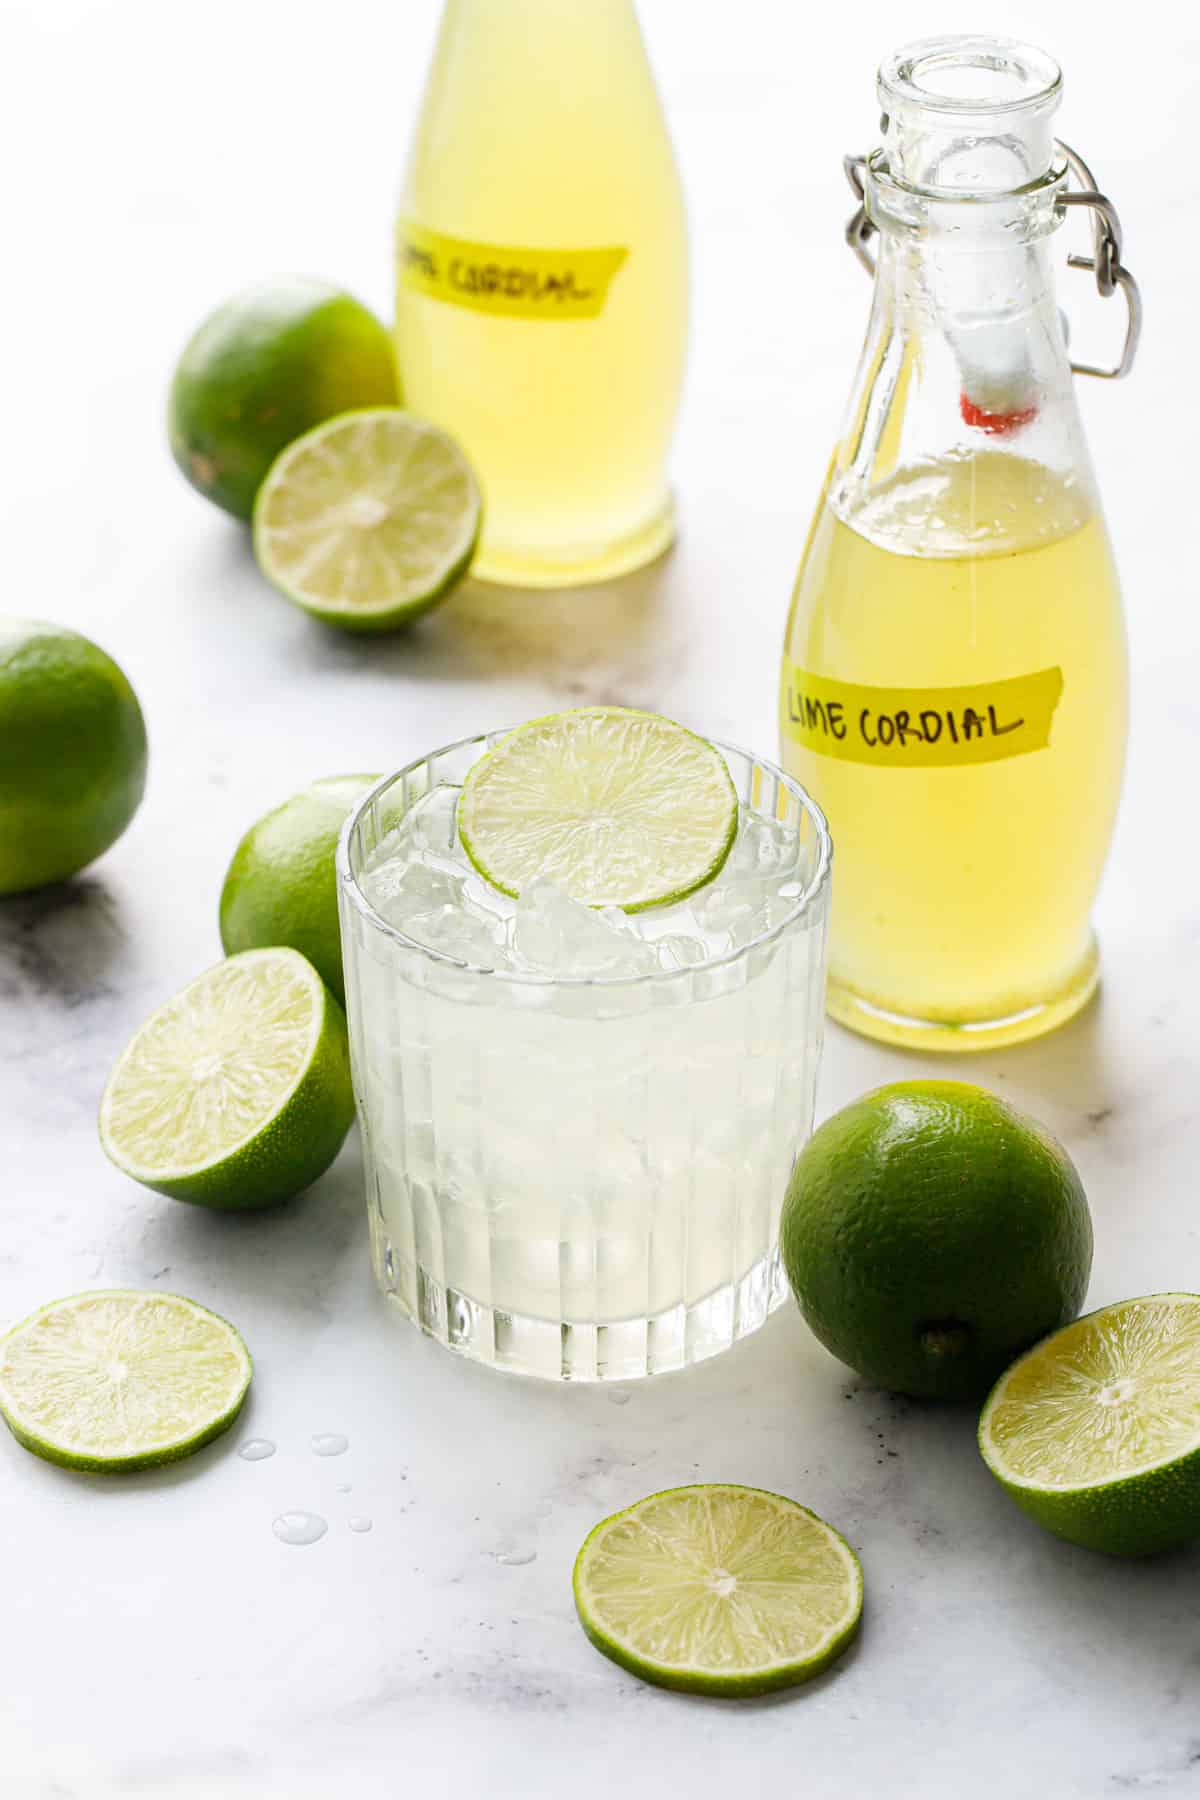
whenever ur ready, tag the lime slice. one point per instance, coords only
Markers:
(1095, 1432)
(719, 1590)
(616, 807)
(368, 520)
(237, 1092)
(121, 1379)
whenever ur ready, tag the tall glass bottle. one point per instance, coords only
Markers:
(541, 310)
(954, 679)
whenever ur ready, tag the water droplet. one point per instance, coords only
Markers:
(516, 1559)
(619, 1396)
(299, 1527)
(359, 1523)
(256, 1449)
(329, 1443)
(344, 1487)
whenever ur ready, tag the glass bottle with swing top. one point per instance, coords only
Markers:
(953, 690)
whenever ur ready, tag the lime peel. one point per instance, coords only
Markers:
(719, 1589)
(616, 806)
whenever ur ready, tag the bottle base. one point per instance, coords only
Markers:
(579, 566)
(966, 1035)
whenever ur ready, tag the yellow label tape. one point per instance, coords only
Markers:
(919, 728)
(503, 279)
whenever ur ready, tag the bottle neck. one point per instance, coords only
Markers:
(537, 81)
(964, 356)
(969, 115)
(545, 35)
(970, 285)
(963, 435)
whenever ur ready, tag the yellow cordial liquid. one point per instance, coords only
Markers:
(541, 309)
(954, 697)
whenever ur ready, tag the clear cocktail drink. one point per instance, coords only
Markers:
(578, 1125)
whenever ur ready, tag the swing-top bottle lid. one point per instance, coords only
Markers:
(969, 114)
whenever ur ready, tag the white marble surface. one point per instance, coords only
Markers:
(157, 1640)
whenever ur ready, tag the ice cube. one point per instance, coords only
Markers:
(764, 847)
(432, 822)
(431, 906)
(781, 901)
(727, 905)
(678, 951)
(555, 935)
(744, 900)
(459, 931)
(400, 890)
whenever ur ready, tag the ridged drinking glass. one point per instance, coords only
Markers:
(581, 1178)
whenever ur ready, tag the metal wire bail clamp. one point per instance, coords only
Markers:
(1105, 260)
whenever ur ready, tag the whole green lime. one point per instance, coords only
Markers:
(931, 1233)
(267, 366)
(72, 753)
(281, 887)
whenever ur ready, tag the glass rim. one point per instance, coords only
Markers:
(349, 884)
(899, 80)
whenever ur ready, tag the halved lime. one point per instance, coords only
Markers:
(1095, 1432)
(719, 1589)
(121, 1379)
(237, 1092)
(368, 520)
(616, 807)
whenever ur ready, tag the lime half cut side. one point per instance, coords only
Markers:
(616, 807)
(237, 1092)
(368, 520)
(1095, 1432)
(121, 1379)
(719, 1590)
